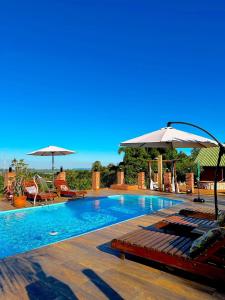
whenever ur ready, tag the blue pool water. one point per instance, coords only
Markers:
(30, 228)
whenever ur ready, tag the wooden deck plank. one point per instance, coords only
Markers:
(174, 243)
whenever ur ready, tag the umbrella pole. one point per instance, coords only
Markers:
(53, 162)
(221, 152)
(198, 199)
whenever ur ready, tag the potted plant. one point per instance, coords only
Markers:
(19, 199)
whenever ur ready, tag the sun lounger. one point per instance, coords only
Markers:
(174, 251)
(33, 192)
(202, 213)
(185, 223)
(64, 190)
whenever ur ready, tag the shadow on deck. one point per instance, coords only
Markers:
(40, 285)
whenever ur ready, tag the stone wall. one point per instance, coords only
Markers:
(120, 177)
(189, 182)
(141, 180)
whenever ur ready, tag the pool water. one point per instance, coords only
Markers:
(30, 228)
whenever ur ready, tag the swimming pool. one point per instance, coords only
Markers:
(31, 228)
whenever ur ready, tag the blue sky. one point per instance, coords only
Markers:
(87, 75)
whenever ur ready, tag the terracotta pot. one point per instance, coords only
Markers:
(19, 201)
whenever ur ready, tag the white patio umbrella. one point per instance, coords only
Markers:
(52, 151)
(169, 137)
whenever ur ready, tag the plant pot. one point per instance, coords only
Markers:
(19, 201)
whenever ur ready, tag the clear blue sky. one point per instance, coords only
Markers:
(87, 75)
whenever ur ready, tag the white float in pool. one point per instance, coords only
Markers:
(53, 232)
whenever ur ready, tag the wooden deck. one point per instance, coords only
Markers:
(86, 268)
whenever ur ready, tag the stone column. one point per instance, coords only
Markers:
(61, 176)
(120, 177)
(9, 177)
(155, 178)
(160, 169)
(141, 181)
(189, 183)
(95, 180)
(167, 177)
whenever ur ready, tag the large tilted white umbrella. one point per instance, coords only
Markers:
(169, 137)
(52, 151)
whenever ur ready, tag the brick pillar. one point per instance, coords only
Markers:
(141, 181)
(95, 180)
(9, 177)
(155, 178)
(167, 177)
(61, 176)
(160, 169)
(120, 177)
(190, 182)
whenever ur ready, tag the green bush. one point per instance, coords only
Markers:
(108, 175)
(79, 179)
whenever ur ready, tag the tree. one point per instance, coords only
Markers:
(108, 175)
(136, 160)
(21, 168)
(96, 166)
(194, 153)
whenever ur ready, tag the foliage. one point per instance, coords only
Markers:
(20, 167)
(185, 165)
(79, 179)
(136, 160)
(108, 175)
(17, 186)
(194, 153)
(22, 173)
(96, 166)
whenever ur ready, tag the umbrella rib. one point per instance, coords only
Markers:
(142, 145)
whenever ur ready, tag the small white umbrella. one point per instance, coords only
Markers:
(169, 137)
(51, 151)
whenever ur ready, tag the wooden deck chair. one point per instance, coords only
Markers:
(173, 251)
(33, 192)
(185, 224)
(202, 213)
(64, 190)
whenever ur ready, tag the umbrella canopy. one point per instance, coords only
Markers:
(169, 137)
(51, 151)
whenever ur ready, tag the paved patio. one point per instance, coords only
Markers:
(86, 268)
